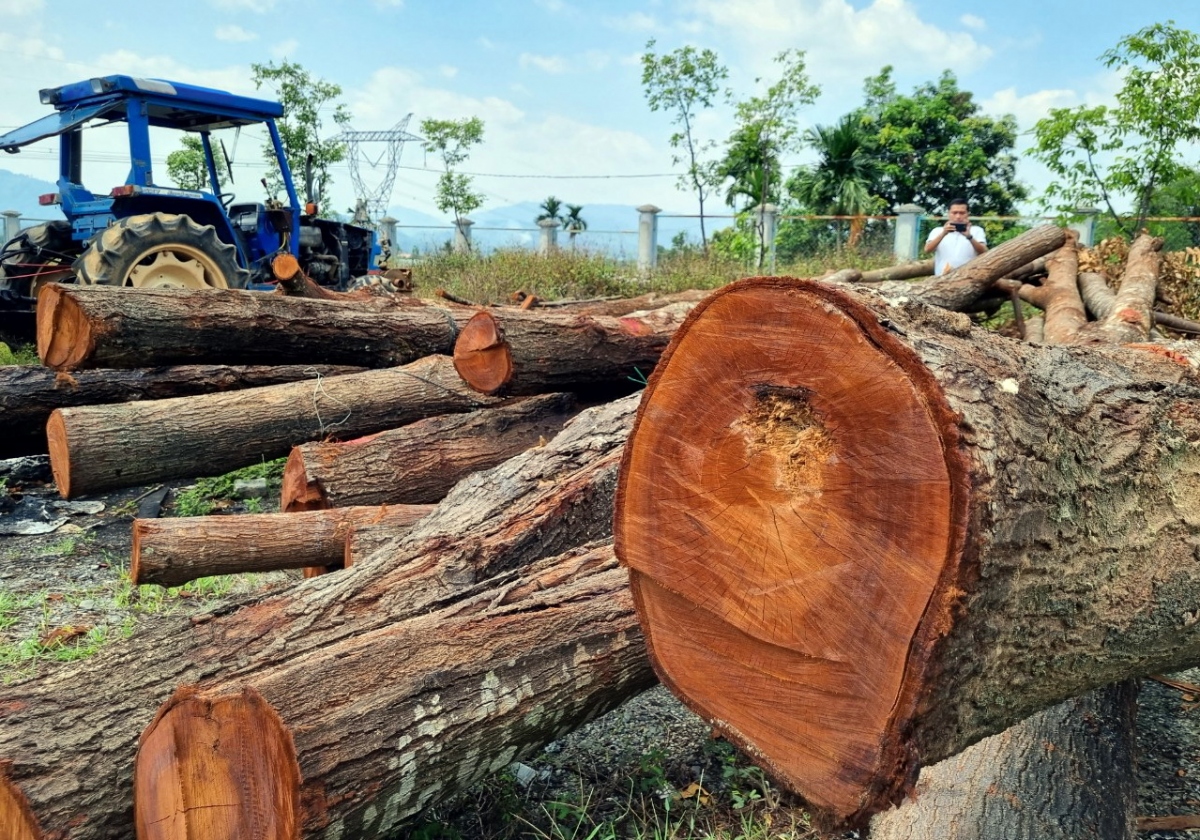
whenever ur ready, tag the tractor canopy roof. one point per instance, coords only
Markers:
(167, 105)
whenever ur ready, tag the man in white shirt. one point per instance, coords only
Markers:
(956, 242)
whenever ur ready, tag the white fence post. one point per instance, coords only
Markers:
(1085, 227)
(549, 241)
(647, 237)
(908, 231)
(12, 224)
(462, 235)
(768, 220)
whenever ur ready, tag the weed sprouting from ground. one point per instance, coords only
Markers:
(205, 495)
(22, 354)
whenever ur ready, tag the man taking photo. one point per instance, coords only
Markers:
(957, 241)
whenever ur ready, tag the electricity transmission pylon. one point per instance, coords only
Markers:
(373, 202)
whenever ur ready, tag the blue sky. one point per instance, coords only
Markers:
(557, 82)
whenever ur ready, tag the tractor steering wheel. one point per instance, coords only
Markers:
(226, 200)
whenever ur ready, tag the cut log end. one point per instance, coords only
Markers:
(135, 562)
(16, 819)
(60, 453)
(481, 355)
(217, 766)
(821, 440)
(298, 493)
(64, 334)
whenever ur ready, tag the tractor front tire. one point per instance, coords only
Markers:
(160, 250)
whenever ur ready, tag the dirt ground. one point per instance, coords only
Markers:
(65, 592)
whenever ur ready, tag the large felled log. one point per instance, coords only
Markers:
(171, 552)
(484, 681)
(966, 284)
(536, 505)
(418, 463)
(883, 511)
(103, 326)
(518, 352)
(94, 448)
(28, 393)
(1064, 774)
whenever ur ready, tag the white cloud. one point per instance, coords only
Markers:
(633, 22)
(17, 8)
(844, 42)
(597, 59)
(1031, 107)
(285, 49)
(449, 71)
(973, 22)
(258, 7)
(515, 142)
(234, 34)
(546, 63)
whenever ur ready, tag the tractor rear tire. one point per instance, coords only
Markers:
(37, 255)
(161, 250)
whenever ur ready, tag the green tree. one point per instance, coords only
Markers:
(843, 179)
(186, 166)
(551, 209)
(452, 140)
(1101, 155)
(682, 83)
(935, 145)
(767, 127)
(573, 222)
(303, 97)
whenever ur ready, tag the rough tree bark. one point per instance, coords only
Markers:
(104, 326)
(1132, 315)
(418, 463)
(516, 352)
(536, 505)
(170, 552)
(28, 394)
(1065, 315)
(1064, 774)
(95, 448)
(880, 510)
(966, 284)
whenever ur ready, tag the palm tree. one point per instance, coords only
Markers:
(573, 223)
(551, 209)
(842, 181)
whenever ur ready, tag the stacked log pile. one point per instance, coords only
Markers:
(857, 531)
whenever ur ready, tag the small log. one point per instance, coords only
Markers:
(845, 275)
(171, 552)
(1132, 315)
(832, 503)
(619, 307)
(907, 271)
(313, 652)
(1064, 774)
(515, 352)
(966, 284)
(1065, 315)
(418, 463)
(100, 447)
(216, 765)
(103, 326)
(28, 393)
(1035, 329)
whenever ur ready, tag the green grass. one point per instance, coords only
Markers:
(44, 638)
(22, 354)
(494, 277)
(203, 497)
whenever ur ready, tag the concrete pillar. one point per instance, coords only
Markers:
(462, 235)
(12, 224)
(908, 232)
(768, 224)
(387, 240)
(548, 244)
(1086, 226)
(647, 237)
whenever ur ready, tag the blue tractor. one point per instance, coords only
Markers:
(146, 235)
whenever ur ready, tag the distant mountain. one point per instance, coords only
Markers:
(20, 193)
